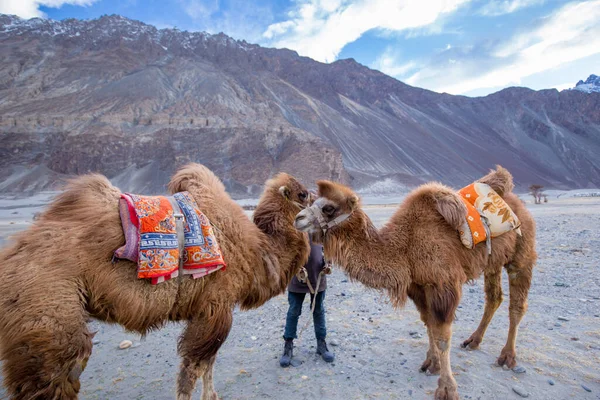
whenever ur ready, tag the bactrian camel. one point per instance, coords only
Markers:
(58, 273)
(418, 254)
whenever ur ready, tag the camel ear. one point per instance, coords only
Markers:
(285, 192)
(324, 187)
(353, 201)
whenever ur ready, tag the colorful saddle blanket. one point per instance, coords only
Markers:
(150, 227)
(488, 216)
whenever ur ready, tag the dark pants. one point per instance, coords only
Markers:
(295, 310)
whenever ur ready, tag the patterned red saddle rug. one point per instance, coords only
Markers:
(167, 236)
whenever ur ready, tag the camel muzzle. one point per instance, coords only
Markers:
(311, 219)
(302, 223)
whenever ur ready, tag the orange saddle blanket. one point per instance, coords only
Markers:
(152, 238)
(488, 216)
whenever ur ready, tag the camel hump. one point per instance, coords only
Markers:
(451, 207)
(446, 201)
(194, 174)
(82, 195)
(500, 180)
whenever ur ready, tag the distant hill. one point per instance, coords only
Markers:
(133, 102)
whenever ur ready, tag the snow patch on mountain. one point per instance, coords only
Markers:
(115, 27)
(591, 84)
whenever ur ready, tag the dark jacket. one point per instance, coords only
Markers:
(315, 264)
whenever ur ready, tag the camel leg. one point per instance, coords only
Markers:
(198, 347)
(208, 388)
(519, 282)
(493, 299)
(442, 303)
(447, 388)
(46, 351)
(431, 364)
(189, 374)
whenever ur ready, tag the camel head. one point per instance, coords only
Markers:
(284, 196)
(334, 204)
(290, 190)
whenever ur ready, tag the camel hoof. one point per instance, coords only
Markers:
(431, 366)
(446, 393)
(471, 343)
(508, 358)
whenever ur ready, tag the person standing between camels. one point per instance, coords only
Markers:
(297, 291)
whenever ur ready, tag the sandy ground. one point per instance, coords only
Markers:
(376, 355)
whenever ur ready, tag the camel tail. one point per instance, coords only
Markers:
(500, 180)
(193, 174)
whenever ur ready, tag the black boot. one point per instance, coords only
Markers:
(324, 351)
(288, 353)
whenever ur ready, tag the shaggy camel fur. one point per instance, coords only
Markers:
(59, 273)
(418, 254)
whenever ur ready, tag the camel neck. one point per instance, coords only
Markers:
(369, 256)
(283, 250)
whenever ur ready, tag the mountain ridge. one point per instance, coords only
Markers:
(80, 96)
(591, 84)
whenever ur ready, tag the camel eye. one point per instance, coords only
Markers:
(303, 195)
(328, 209)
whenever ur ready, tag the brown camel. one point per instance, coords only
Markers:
(418, 254)
(58, 273)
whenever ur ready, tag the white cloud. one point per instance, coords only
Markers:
(200, 9)
(241, 19)
(390, 63)
(321, 28)
(500, 7)
(31, 8)
(571, 33)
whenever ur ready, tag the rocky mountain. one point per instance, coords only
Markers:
(133, 102)
(591, 84)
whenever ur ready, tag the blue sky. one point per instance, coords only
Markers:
(469, 47)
